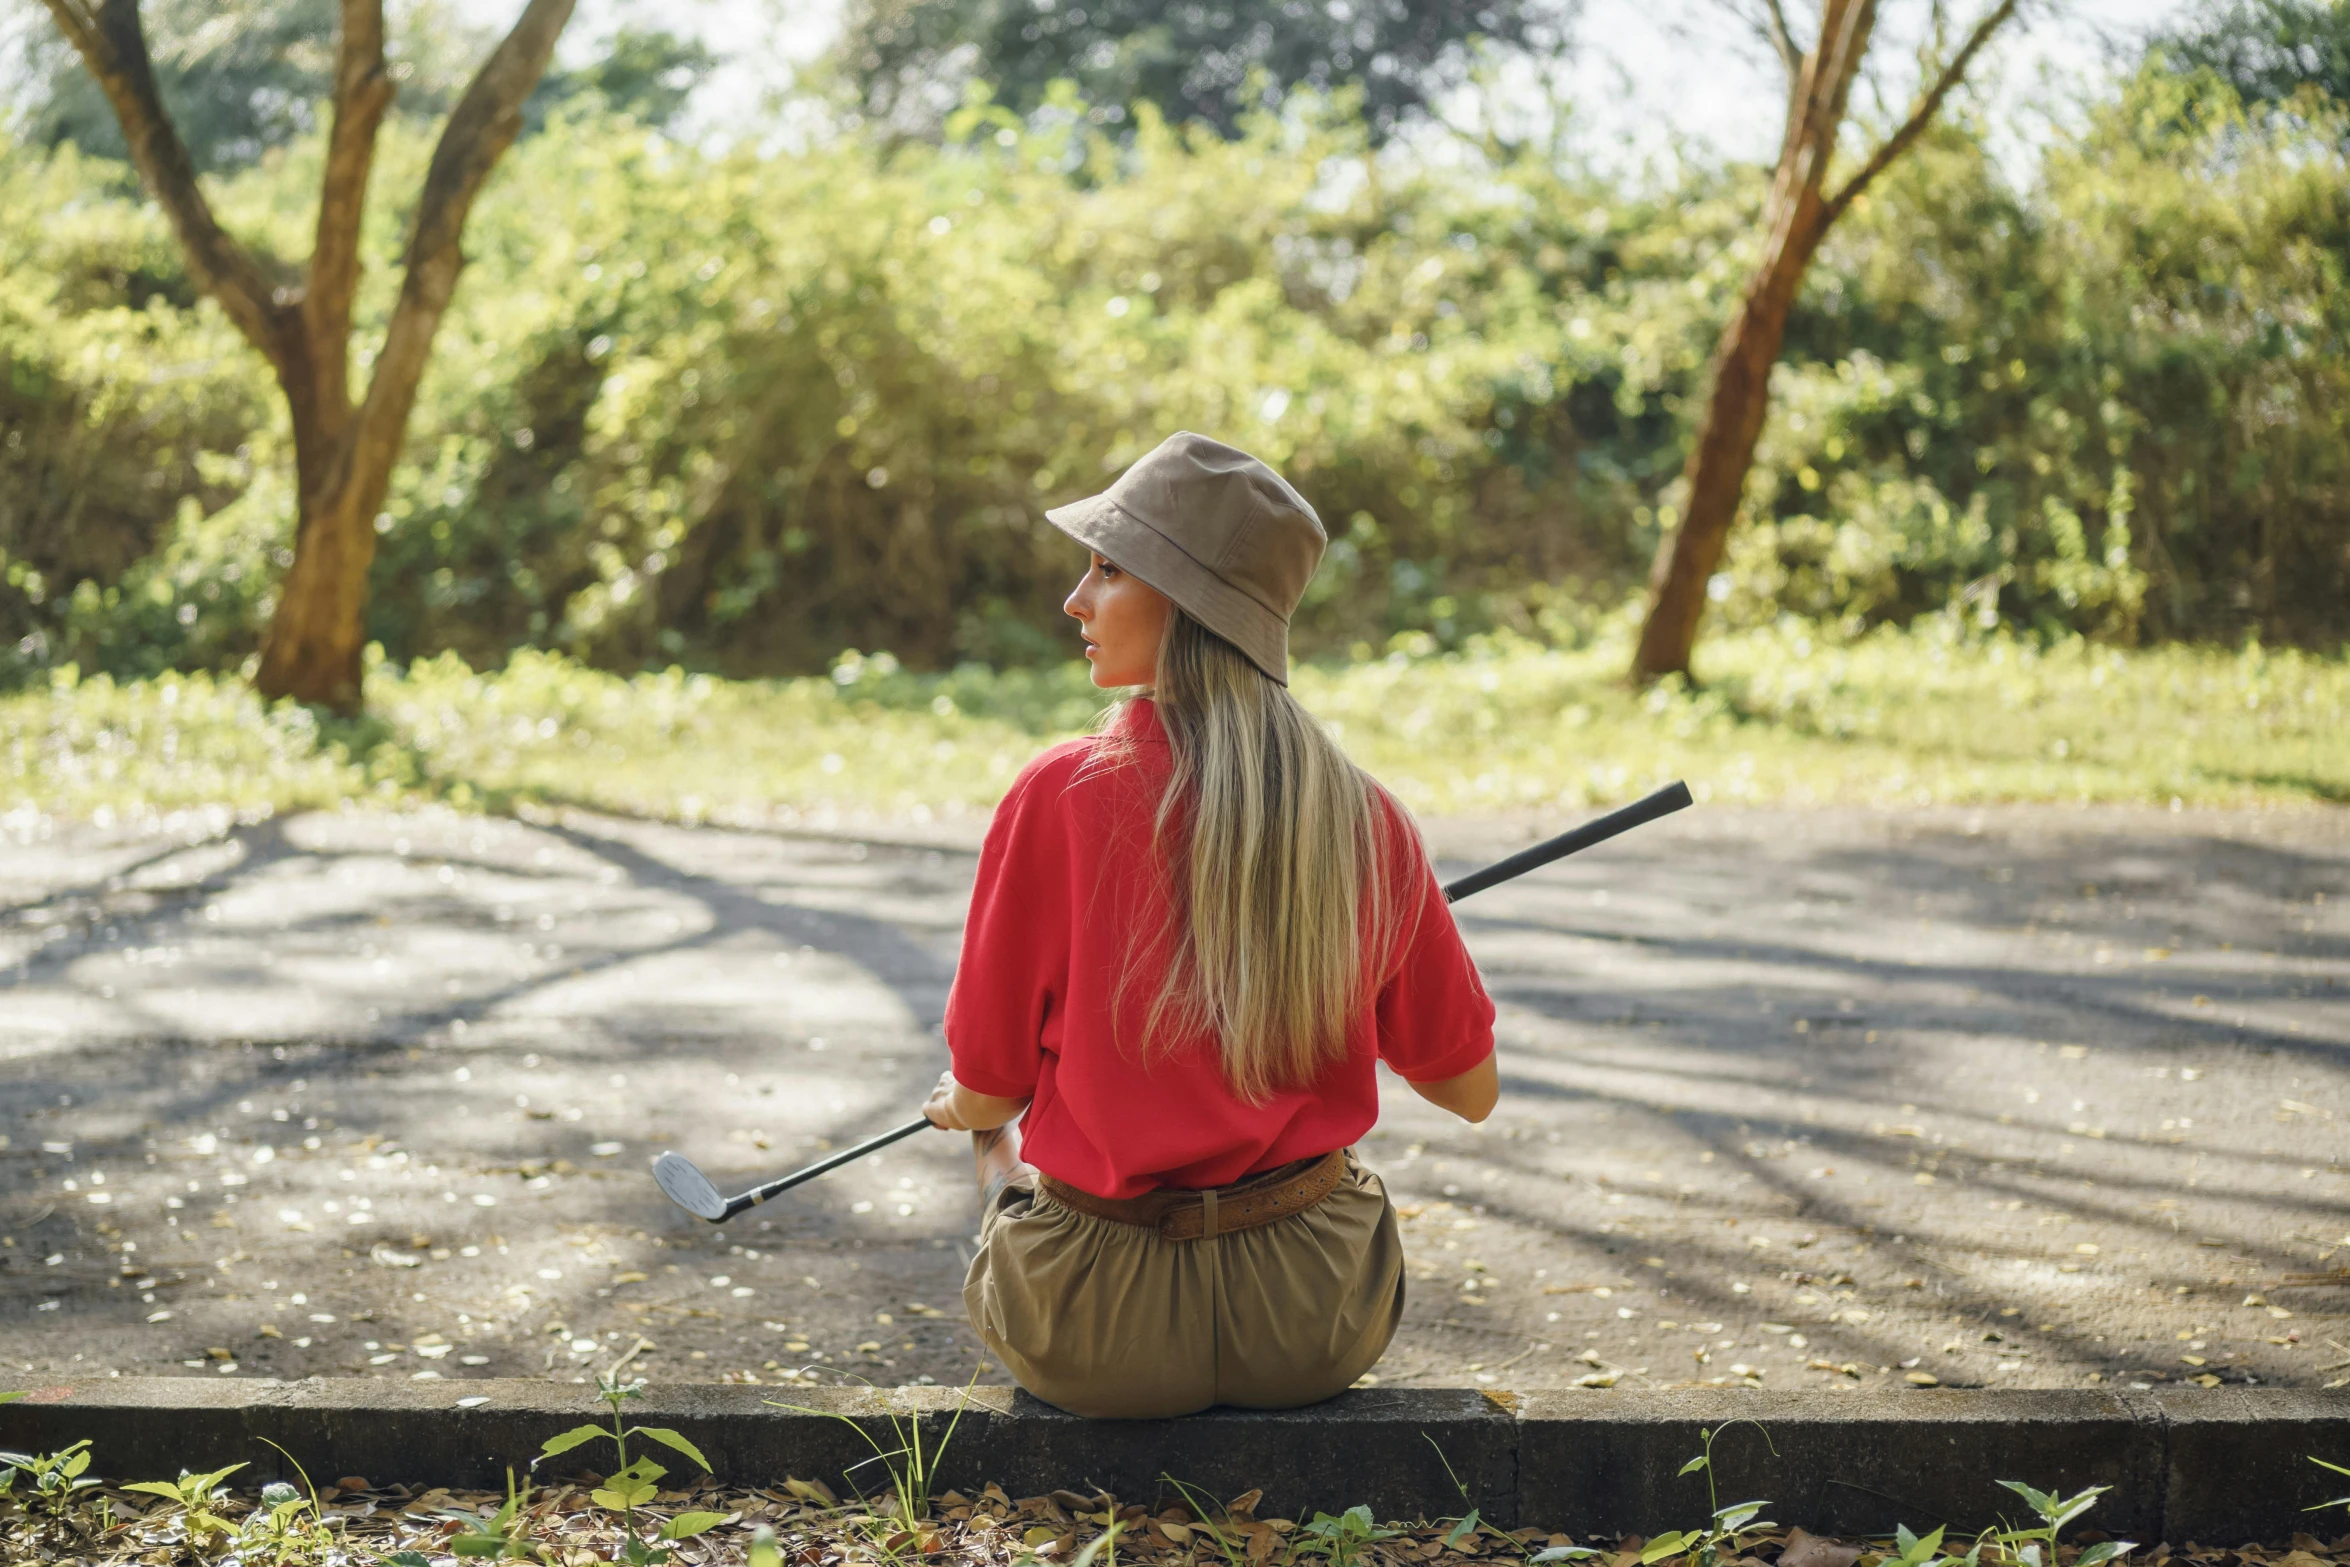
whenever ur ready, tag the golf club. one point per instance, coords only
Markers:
(690, 1189)
(685, 1185)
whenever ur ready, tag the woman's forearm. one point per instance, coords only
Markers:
(961, 1109)
(984, 1112)
(1471, 1096)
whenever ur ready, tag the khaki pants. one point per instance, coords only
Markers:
(1109, 1320)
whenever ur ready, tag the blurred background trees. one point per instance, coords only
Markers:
(2266, 51)
(1211, 61)
(241, 77)
(739, 408)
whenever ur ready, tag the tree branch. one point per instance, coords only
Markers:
(113, 45)
(1921, 115)
(480, 129)
(363, 94)
(1782, 38)
(1815, 105)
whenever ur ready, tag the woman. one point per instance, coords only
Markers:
(1191, 938)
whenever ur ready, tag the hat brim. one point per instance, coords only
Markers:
(1103, 526)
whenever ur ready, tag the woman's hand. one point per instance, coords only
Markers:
(959, 1109)
(940, 1106)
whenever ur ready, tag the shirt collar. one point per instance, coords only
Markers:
(1138, 720)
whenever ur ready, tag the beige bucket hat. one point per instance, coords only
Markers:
(1214, 529)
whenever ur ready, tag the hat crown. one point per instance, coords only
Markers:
(1231, 513)
(1216, 531)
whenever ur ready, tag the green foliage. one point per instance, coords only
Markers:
(246, 78)
(237, 78)
(52, 1480)
(242, 78)
(2037, 1547)
(2118, 403)
(635, 1482)
(1213, 64)
(910, 1468)
(1913, 1550)
(644, 74)
(124, 418)
(500, 1535)
(2266, 51)
(738, 411)
(632, 1485)
(1340, 1541)
(285, 1528)
(198, 1498)
(1718, 1539)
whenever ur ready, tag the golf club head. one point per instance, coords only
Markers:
(688, 1187)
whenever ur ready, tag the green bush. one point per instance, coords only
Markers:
(738, 411)
(2118, 404)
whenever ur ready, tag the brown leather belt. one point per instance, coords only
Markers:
(1180, 1215)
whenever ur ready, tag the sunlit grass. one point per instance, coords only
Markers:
(1898, 718)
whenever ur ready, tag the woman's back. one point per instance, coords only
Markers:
(1072, 902)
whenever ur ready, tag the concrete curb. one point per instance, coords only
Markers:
(2224, 1466)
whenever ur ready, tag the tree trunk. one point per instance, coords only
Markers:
(1718, 465)
(1799, 214)
(312, 652)
(343, 454)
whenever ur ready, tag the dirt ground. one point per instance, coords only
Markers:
(2012, 1098)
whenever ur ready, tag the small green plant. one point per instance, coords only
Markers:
(910, 1469)
(2037, 1547)
(1340, 1540)
(1911, 1550)
(764, 1551)
(2342, 1502)
(636, 1481)
(1465, 1526)
(285, 1528)
(53, 1479)
(499, 1535)
(198, 1499)
(289, 1526)
(1718, 1540)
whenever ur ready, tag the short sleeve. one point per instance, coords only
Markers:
(1434, 1018)
(1014, 963)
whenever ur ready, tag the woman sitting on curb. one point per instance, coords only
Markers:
(1192, 937)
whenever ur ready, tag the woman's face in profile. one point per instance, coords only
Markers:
(1123, 620)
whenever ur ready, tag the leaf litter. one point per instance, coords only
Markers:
(811, 1526)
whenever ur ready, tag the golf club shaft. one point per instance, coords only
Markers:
(1663, 802)
(1672, 797)
(784, 1183)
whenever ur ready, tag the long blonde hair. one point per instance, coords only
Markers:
(1279, 870)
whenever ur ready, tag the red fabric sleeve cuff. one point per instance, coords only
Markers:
(1463, 1059)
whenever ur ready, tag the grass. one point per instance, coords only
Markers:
(1786, 716)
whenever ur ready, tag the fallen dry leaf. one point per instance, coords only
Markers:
(1805, 1549)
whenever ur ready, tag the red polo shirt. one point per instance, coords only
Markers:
(1063, 879)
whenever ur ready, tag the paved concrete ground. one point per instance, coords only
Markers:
(2024, 1097)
